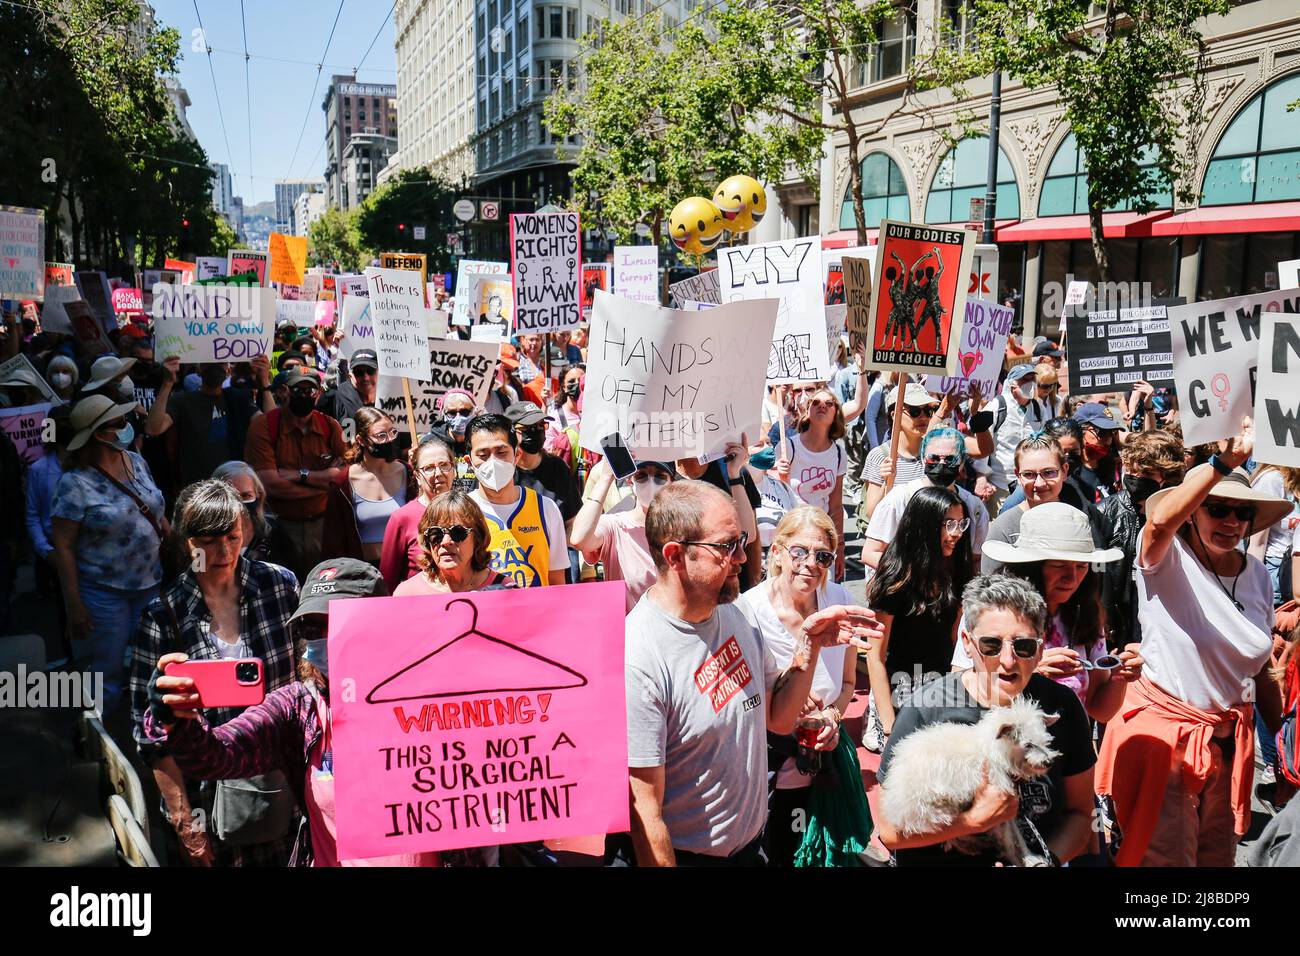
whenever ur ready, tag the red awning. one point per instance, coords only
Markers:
(846, 238)
(1115, 225)
(1213, 220)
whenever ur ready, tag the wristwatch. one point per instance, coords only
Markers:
(1221, 466)
(735, 481)
(302, 476)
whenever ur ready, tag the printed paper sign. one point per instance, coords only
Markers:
(697, 288)
(358, 332)
(546, 263)
(478, 719)
(494, 300)
(834, 259)
(1076, 292)
(186, 270)
(312, 284)
(96, 293)
(58, 273)
(208, 323)
(128, 302)
(240, 261)
(452, 364)
(288, 258)
(636, 273)
(1288, 274)
(86, 328)
(22, 253)
(54, 314)
(488, 333)
(346, 285)
(595, 275)
(676, 385)
(1216, 351)
(837, 317)
(397, 314)
(918, 298)
(208, 267)
(304, 314)
(1277, 399)
(466, 270)
(412, 262)
(24, 425)
(1111, 350)
(790, 272)
(983, 345)
(856, 277)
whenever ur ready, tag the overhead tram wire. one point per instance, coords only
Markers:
(248, 95)
(215, 91)
(357, 69)
(315, 84)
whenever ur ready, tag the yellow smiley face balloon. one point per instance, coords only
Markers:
(742, 202)
(695, 225)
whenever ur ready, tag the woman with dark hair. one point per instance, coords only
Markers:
(916, 594)
(369, 490)
(258, 523)
(456, 555)
(433, 463)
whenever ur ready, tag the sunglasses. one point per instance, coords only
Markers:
(1218, 511)
(956, 525)
(951, 460)
(818, 403)
(729, 548)
(1023, 647)
(1107, 662)
(928, 411)
(457, 533)
(800, 554)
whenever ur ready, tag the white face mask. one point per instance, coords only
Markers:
(494, 474)
(1029, 389)
(645, 491)
(61, 379)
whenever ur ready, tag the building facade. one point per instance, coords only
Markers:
(435, 85)
(351, 108)
(1245, 175)
(364, 158)
(222, 191)
(287, 192)
(309, 207)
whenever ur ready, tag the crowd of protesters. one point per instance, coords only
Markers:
(1035, 546)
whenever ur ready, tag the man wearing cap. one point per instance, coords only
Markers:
(1016, 416)
(533, 462)
(297, 451)
(918, 407)
(1046, 353)
(1100, 444)
(356, 390)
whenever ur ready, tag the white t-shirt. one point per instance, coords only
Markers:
(557, 542)
(1197, 645)
(828, 676)
(775, 499)
(1281, 536)
(813, 473)
(885, 519)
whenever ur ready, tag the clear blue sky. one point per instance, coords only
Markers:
(278, 30)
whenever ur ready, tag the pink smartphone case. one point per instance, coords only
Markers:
(216, 684)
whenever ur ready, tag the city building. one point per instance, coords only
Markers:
(354, 108)
(435, 85)
(236, 217)
(180, 101)
(222, 192)
(287, 192)
(364, 157)
(1246, 173)
(309, 207)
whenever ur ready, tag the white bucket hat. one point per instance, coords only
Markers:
(1052, 532)
(1237, 487)
(105, 370)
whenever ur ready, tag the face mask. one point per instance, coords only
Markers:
(645, 491)
(61, 380)
(1029, 389)
(301, 405)
(532, 442)
(457, 423)
(124, 438)
(386, 451)
(1140, 488)
(1094, 445)
(316, 655)
(1074, 461)
(494, 474)
(941, 473)
(573, 390)
(251, 508)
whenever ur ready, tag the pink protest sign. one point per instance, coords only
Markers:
(476, 719)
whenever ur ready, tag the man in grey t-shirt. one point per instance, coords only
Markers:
(702, 689)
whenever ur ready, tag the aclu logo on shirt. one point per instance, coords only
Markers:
(724, 675)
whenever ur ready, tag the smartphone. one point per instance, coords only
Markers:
(616, 453)
(238, 683)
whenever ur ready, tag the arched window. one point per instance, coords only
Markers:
(1065, 187)
(962, 176)
(1258, 157)
(884, 193)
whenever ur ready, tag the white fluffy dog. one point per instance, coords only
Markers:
(935, 773)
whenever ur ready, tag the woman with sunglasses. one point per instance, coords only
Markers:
(798, 585)
(1178, 760)
(370, 489)
(434, 465)
(916, 593)
(456, 550)
(817, 461)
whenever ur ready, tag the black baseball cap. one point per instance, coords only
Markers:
(288, 355)
(338, 578)
(297, 377)
(1047, 347)
(525, 413)
(364, 358)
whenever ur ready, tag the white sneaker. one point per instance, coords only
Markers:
(873, 737)
(1267, 776)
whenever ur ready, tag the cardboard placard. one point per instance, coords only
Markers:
(856, 277)
(466, 271)
(411, 261)
(1112, 349)
(25, 426)
(20, 371)
(95, 290)
(546, 264)
(984, 343)
(59, 273)
(22, 253)
(1277, 398)
(248, 260)
(209, 267)
(452, 364)
(636, 273)
(205, 323)
(697, 288)
(288, 258)
(397, 315)
(595, 275)
(358, 332)
(836, 292)
(188, 271)
(494, 301)
(1288, 274)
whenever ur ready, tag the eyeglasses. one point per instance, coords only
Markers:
(729, 548)
(927, 411)
(439, 468)
(1218, 511)
(800, 554)
(817, 403)
(390, 435)
(956, 525)
(951, 460)
(1047, 474)
(1023, 647)
(457, 533)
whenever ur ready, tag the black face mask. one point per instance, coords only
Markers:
(573, 391)
(532, 442)
(387, 451)
(942, 474)
(1139, 488)
(301, 405)
(1075, 462)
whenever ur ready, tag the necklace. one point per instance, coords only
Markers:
(1232, 595)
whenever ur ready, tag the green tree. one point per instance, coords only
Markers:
(415, 197)
(665, 114)
(1130, 81)
(333, 239)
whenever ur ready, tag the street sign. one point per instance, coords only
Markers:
(453, 239)
(464, 210)
(419, 233)
(489, 211)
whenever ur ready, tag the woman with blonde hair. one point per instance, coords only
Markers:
(456, 550)
(369, 491)
(816, 461)
(798, 584)
(433, 463)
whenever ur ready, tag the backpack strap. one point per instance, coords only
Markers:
(1001, 415)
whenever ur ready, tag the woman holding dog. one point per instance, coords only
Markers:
(1178, 760)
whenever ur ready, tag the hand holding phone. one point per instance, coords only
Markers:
(617, 454)
(237, 683)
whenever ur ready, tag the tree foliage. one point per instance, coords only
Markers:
(414, 197)
(334, 240)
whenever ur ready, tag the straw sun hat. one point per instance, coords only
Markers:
(1052, 532)
(90, 414)
(1237, 487)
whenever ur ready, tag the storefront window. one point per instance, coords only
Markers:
(962, 176)
(1065, 187)
(1258, 157)
(1243, 264)
(1152, 260)
(884, 194)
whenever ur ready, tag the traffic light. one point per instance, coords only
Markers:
(401, 229)
(185, 224)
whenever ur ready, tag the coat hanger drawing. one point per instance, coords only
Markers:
(520, 669)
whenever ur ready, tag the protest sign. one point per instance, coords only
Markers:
(452, 364)
(697, 288)
(1116, 347)
(290, 293)
(312, 286)
(202, 323)
(86, 328)
(595, 275)
(304, 314)
(1076, 292)
(247, 260)
(20, 371)
(673, 386)
(918, 298)
(493, 300)
(208, 267)
(22, 253)
(186, 270)
(1215, 349)
(1277, 399)
(54, 315)
(837, 317)
(546, 263)
(856, 274)
(689, 305)
(288, 258)
(983, 345)
(466, 271)
(58, 273)
(834, 260)
(24, 425)
(248, 279)
(152, 278)
(412, 262)
(96, 293)
(636, 273)
(358, 333)
(397, 314)
(437, 321)
(790, 272)
(128, 302)
(478, 719)
(346, 285)
(1288, 273)
(488, 333)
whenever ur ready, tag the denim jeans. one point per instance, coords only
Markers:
(114, 615)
